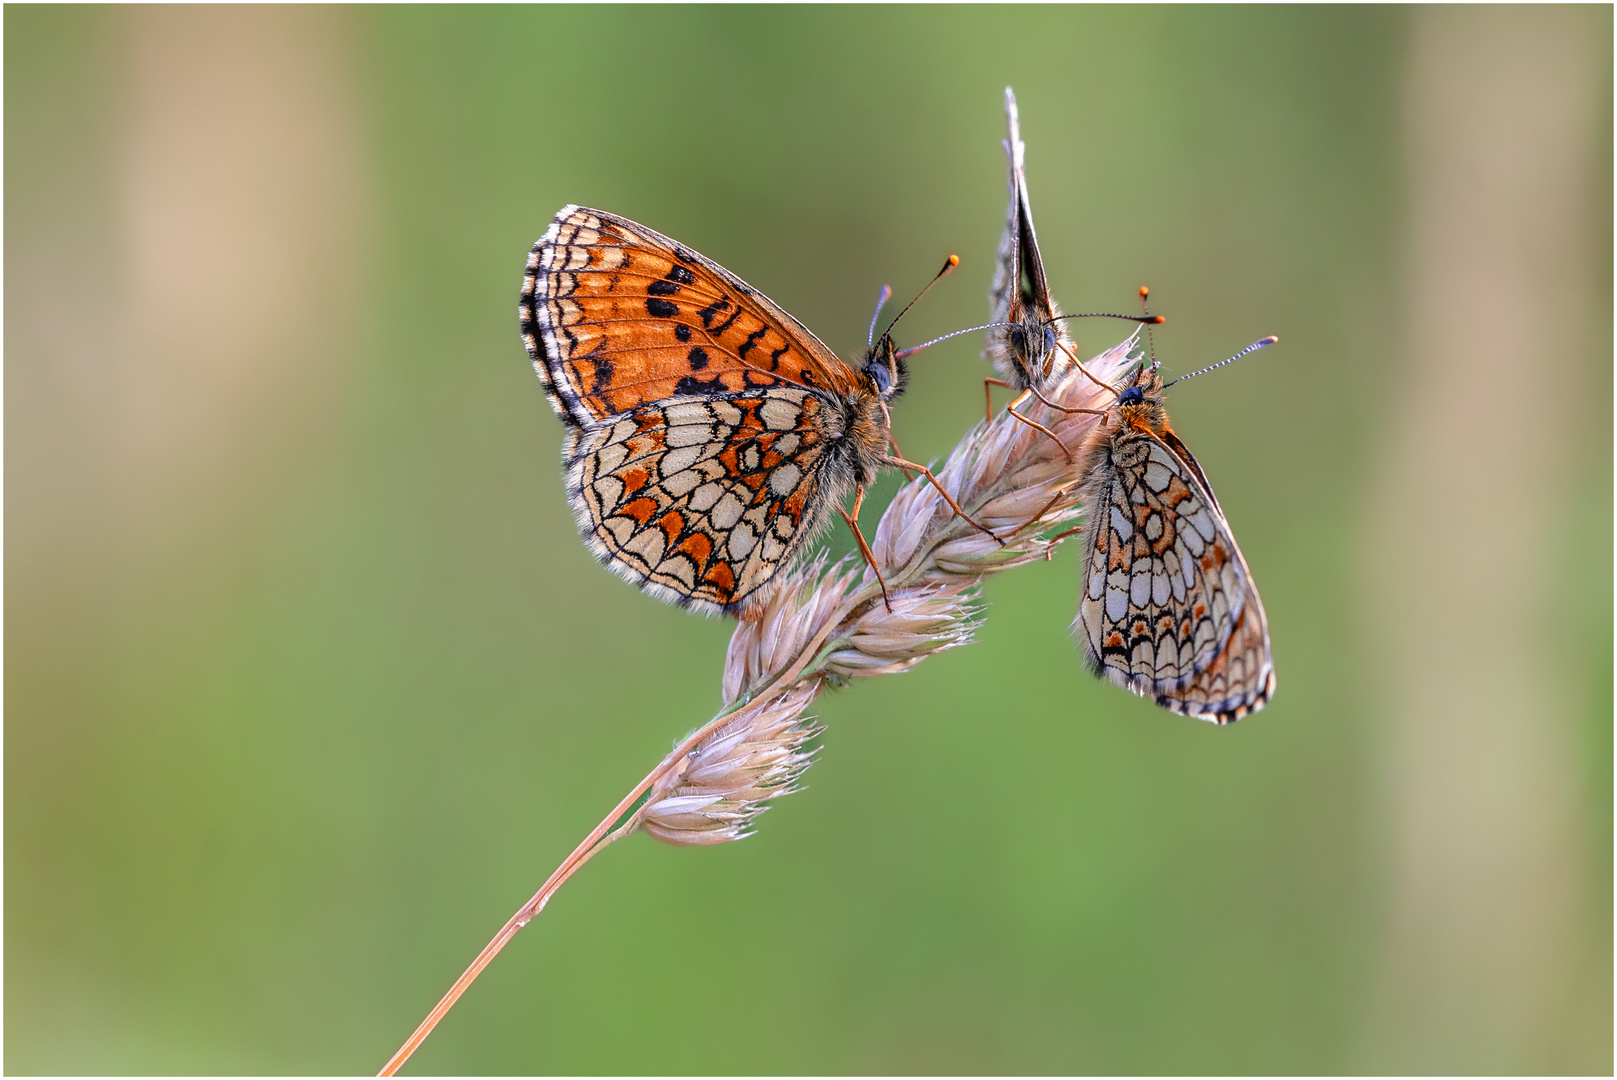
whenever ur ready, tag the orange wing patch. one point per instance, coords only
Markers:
(616, 316)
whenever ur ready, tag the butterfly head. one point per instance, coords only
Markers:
(1033, 341)
(886, 369)
(1139, 399)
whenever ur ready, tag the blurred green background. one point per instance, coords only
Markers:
(310, 682)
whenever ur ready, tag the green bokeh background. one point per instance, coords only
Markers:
(310, 682)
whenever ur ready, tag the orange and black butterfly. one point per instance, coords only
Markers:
(709, 433)
(1168, 609)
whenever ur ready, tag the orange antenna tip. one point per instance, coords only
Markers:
(1145, 291)
(1270, 340)
(954, 260)
(1158, 319)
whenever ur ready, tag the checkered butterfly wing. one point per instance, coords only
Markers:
(1169, 609)
(701, 417)
(700, 500)
(616, 315)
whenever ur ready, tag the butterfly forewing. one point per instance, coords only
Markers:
(1020, 293)
(616, 315)
(1168, 607)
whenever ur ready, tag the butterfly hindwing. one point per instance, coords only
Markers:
(699, 500)
(1241, 678)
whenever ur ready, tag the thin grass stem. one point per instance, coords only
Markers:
(611, 827)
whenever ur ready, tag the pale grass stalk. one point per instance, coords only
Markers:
(820, 627)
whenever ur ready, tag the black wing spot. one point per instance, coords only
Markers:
(684, 256)
(709, 313)
(774, 357)
(725, 325)
(680, 275)
(752, 339)
(603, 373)
(692, 385)
(682, 332)
(698, 359)
(661, 309)
(663, 288)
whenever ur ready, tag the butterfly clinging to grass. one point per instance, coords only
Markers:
(709, 433)
(1168, 608)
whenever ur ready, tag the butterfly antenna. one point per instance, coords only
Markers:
(1254, 347)
(902, 353)
(870, 335)
(1150, 339)
(949, 264)
(1149, 320)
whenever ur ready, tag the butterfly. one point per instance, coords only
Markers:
(1023, 347)
(1168, 608)
(708, 433)
(1025, 341)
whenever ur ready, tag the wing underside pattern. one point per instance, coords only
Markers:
(699, 500)
(1168, 608)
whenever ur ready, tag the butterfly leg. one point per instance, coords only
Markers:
(890, 442)
(1064, 408)
(1103, 384)
(1061, 493)
(988, 400)
(898, 453)
(1050, 544)
(864, 548)
(932, 478)
(1034, 424)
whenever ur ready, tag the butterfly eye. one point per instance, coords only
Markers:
(1132, 396)
(882, 377)
(1049, 339)
(1018, 338)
